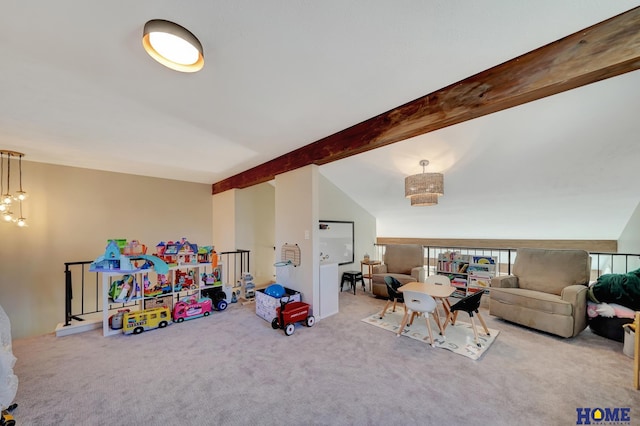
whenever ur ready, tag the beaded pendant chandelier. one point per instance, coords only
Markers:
(8, 200)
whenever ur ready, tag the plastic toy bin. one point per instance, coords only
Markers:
(266, 305)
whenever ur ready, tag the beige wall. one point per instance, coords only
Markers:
(245, 219)
(72, 212)
(224, 220)
(255, 229)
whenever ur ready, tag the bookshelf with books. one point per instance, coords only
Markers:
(481, 270)
(455, 265)
(468, 273)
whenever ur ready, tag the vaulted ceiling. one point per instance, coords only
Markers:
(77, 89)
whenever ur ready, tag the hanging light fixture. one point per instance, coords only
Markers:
(7, 199)
(173, 46)
(424, 200)
(424, 188)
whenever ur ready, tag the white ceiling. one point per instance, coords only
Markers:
(77, 89)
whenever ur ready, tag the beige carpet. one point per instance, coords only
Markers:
(232, 368)
(458, 338)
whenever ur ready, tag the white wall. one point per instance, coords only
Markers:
(72, 212)
(296, 222)
(336, 205)
(302, 197)
(629, 241)
(267, 215)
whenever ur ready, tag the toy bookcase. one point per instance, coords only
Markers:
(481, 270)
(468, 273)
(179, 282)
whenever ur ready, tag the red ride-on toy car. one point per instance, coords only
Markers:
(289, 313)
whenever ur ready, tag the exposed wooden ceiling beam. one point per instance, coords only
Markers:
(604, 50)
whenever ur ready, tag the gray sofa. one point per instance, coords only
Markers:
(404, 262)
(547, 291)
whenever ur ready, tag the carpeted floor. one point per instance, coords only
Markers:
(459, 338)
(232, 368)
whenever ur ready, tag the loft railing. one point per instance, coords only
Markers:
(80, 268)
(613, 263)
(86, 285)
(234, 264)
(504, 256)
(601, 263)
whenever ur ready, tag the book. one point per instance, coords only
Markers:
(479, 268)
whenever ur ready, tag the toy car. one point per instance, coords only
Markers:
(291, 312)
(185, 278)
(115, 320)
(7, 419)
(147, 319)
(220, 295)
(190, 307)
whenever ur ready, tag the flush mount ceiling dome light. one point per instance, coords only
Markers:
(173, 46)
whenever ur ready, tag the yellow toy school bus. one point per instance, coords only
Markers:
(148, 319)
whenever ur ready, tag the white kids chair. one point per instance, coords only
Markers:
(418, 304)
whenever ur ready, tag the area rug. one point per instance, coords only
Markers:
(458, 338)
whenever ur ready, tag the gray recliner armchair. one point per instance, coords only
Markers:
(404, 262)
(546, 291)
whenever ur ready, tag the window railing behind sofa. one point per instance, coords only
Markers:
(504, 256)
(613, 263)
(83, 293)
(601, 263)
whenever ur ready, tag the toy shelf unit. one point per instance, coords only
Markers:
(454, 265)
(481, 270)
(141, 289)
(468, 273)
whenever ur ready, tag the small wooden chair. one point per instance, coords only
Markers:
(394, 295)
(469, 304)
(419, 304)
